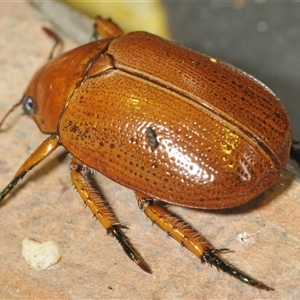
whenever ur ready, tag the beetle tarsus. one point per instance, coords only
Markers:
(209, 256)
(9, 187)
(116, 231)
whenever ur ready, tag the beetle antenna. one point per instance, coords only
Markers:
(10, 111)
(56, 39)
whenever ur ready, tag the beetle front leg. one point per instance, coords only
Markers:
(190, 238)
(102, 211)
(43, 151)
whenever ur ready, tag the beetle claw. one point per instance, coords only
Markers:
(209, 256)
(128, 248)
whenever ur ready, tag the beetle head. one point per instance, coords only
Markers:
(51, 87)
(47, 94)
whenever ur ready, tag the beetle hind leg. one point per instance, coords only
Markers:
(295, 152)
(190, 238)
(103, 212)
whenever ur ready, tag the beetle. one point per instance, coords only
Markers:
(221, 136)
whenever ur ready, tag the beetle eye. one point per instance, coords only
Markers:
(28, 105)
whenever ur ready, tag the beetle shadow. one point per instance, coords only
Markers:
(272, 194)
(38, 171)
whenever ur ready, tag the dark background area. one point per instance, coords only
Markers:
(261, 38)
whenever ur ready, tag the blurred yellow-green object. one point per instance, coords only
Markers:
(130, 16)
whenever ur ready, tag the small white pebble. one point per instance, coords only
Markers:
(40, 256)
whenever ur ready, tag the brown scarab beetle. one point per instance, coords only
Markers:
(174, 125)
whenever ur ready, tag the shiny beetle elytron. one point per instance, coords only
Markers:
(174, 125)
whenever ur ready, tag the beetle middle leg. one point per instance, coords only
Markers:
(190, 238)
(103, 212)
(106, 28)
